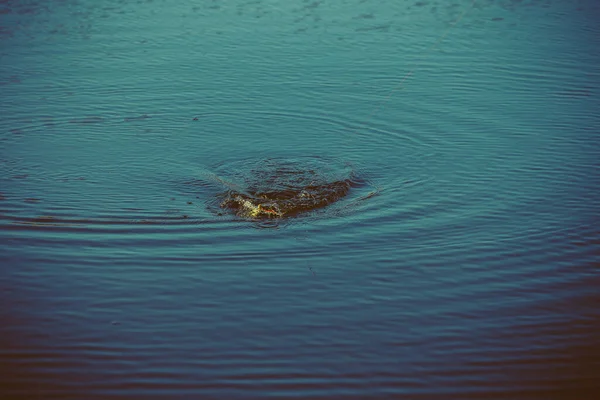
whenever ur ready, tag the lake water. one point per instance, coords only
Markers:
(463, 264)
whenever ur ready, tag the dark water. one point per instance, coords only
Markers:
(464, 266)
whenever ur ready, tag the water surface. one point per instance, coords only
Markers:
(464, 266)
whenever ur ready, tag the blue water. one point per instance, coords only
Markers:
(466, 264)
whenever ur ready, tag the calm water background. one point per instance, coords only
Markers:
(466, 268)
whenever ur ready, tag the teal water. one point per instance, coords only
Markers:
(465, 264)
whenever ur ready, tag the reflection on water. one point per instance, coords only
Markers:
(454, 254)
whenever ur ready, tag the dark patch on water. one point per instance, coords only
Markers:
(137, 118)
(87, 120)
(276, 188)
(382, 28)
(575, 93)
(312, 6)
(285, 203)
(365, 16)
